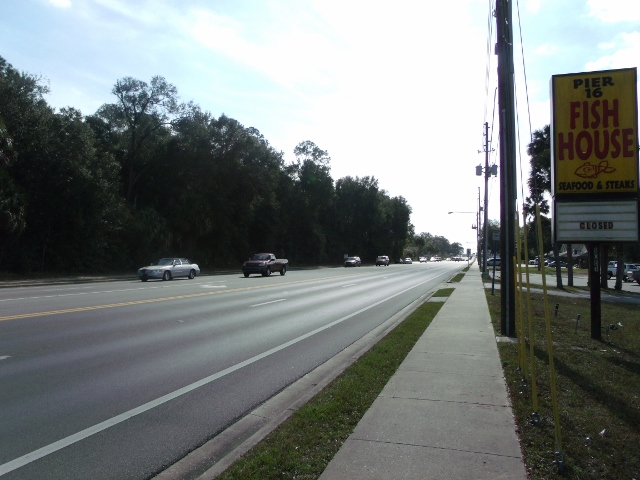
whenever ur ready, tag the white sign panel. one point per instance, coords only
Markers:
(602, 221)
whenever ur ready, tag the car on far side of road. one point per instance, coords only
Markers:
(168, 269)
(493, 261)
(352, 262)
(423, 259)
(382, 260)
(553, 264)
(408, 260)
(629, 268)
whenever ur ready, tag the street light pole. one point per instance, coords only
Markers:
(485, 229)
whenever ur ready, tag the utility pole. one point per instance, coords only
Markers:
(485, 230)
(478, 222)
(508, 179)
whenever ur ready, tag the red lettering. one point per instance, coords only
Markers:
(568, 145)
(615, 153)
(601, 153)
(613, 112)
(585, 113)
(595, 123)
(573, 116)
(584, 152)
(628, 145)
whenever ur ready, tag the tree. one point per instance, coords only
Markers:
(539, 183)
(143, 111)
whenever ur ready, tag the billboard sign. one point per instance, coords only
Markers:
(595, 133)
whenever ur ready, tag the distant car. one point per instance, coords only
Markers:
(491, 262)
(552, 264)
(629, 268)
(352, 262)
(423, 259)
(408, 260)
(382, 260)
(264, 264)
(168, 269)
(636, 275)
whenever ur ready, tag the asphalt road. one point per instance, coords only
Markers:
(119, 380)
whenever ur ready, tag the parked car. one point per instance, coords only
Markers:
(352, 262)
(629, 268)
(423, 259)
(382, 260)
(493, 261)
(636, 275)
(168, 269)
(408, 260)
(553, 264)
(264, 264)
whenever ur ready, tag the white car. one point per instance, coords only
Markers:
(168, 269)
(408, 260)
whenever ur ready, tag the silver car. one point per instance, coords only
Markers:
(168, 269)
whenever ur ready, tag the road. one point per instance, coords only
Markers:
(119, 380)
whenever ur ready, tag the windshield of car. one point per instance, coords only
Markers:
(351, 259)
(261, 256)
(165, 261)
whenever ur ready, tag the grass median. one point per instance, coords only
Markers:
(598, 390)
(303, 446)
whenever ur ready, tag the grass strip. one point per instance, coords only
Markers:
(457, 278)
(444, 292)
(303, 446)
(598, 385)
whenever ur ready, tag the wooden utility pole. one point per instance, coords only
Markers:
(508, 179)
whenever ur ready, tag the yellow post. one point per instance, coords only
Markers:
(534, 386)
(522, 352)
(547, 319)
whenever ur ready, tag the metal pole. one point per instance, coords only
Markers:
(485, 273)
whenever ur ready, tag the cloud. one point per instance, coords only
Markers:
(614, 10)
(533, 6)
(546, 50)
(61, 3)
(625, 57)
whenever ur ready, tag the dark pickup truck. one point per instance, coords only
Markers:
(264, 264)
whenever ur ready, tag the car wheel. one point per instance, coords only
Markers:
(284, 270)
(144, 279)
(267, 272)
(192, 274)
(246, 275)
(166, 275)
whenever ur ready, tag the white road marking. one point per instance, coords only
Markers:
(4, 357)
(88, 432)
(213, 286)
(349, 285)
(266, 303)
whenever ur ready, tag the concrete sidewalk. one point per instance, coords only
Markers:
(445, 414)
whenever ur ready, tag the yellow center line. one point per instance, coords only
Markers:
(152, 300)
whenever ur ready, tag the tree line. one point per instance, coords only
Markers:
(148, 176)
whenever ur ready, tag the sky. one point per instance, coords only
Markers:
(397, 91)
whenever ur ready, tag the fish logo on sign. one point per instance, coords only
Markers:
(592, 171)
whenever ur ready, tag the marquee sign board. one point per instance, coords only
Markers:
(583, 222)
(594, 146)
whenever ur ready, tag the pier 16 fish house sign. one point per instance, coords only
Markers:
(594, 145)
